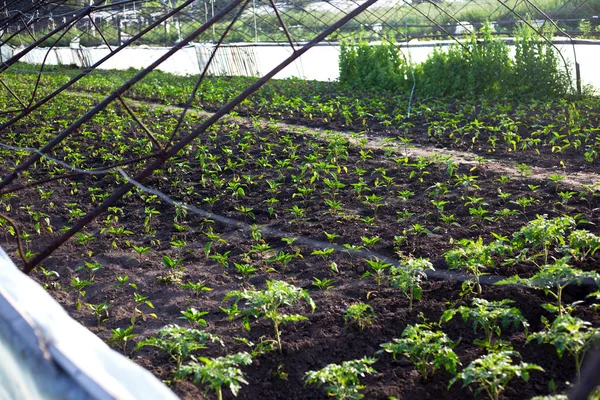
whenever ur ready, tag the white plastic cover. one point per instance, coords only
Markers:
(45, 354)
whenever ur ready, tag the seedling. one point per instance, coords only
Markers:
(100, 311)
(194, 317)
(246, 270)
(285, 258)
(218, 372)
(140, 300)
(121, 280)
(197, 287)
(268, 303)
(50, 278)
(428, 350)
(556, 179)
(91, 268)
(408, 276)
(221, 259)
(325, 253)
(179, 342)
(582, 244)
(542, 233)
(568, 334)
(368, 242)
(122, 336)
(342, 380)
(553, 279)
(492, 373)
(490, 316)
(79, 285)
(323, 284)
(361, 314)
(378, 269)
(473, 257)
(331, 237)
(140, 251)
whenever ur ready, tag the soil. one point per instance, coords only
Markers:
(324, 338)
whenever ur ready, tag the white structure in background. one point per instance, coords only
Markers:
(255, 59)
(463, 27)
(46, 355)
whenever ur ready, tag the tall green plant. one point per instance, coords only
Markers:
(536, 67)
(366, 66)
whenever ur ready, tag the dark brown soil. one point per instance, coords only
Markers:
(324, 338)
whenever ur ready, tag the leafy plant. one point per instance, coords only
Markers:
(568, 334)
(492, 373)
(218, 372)
(474, 257)
(122, 336)
(179, 342)
(490, 316)
(100, 311)
(194, 317)
(79, 285)
(553, 279)
(428, 350)
(140, 300)
(268, 303)
(91, 268)
(342, 380)
(408, 277)
(542, 233)
(323, 284)
(582, 244)
(378, 268)
(361, 314)
(197, 287)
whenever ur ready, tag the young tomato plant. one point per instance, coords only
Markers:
(490, 316)
(568, 334)
(492, 373)
(408, 276)
(268, 303)
(179, 342)
(361, 314)
(218, 372)
(342, 380)
(553, 279)
(471, 256)
(428, 350)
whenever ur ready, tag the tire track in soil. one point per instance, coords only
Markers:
(576, 180)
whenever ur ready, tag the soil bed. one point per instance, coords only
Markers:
(278, 195)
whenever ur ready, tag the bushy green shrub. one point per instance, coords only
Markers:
(474, 67)
(365, 66)
(537, 69)
(478, 66)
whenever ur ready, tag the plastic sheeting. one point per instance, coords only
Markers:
(45, 354)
